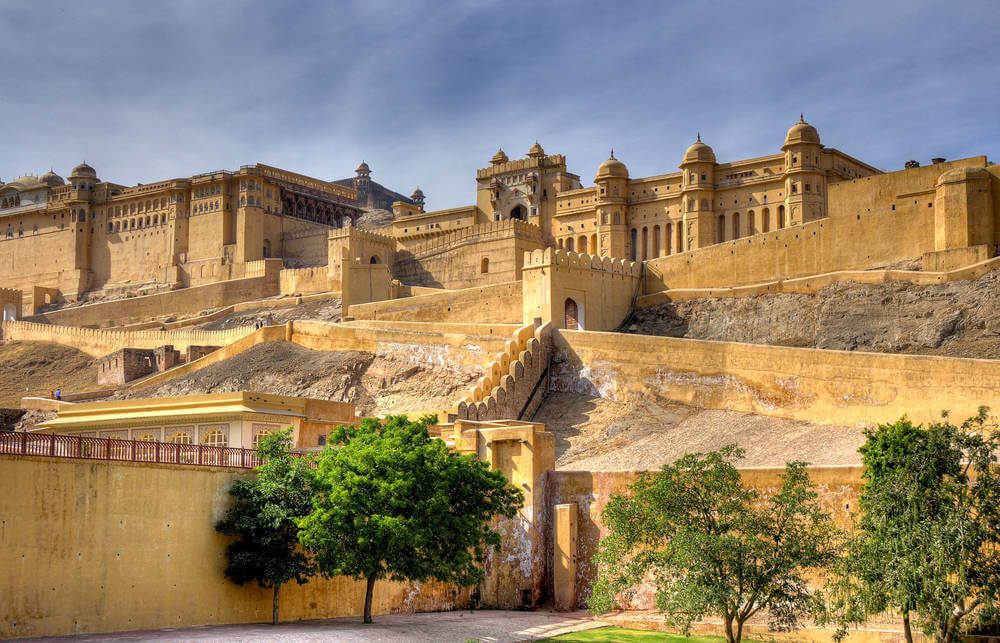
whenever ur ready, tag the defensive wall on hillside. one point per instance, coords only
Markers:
(10, 304)
(97, 342)
(815, 283)
(499, 303)
(943, 213)
(176, 302)
(825, 386)
(483, 254)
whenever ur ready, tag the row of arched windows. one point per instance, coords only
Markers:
(582, 244)
(736, 230)
(658, 241)
(135, 224)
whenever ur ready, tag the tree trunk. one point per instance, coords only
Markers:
(730, 638)
(368, 598)
(739, 632)
(907, 631)
(274, 605)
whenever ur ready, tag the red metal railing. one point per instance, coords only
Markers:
(78, 446)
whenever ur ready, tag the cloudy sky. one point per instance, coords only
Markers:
(426, 91)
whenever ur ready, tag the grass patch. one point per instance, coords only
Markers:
(615, 634)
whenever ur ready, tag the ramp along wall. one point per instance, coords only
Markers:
(826, 386)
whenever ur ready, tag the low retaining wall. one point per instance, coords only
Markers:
(102, 342)
(500, 303)
(185, 301)
(826, 386)
(815, 283)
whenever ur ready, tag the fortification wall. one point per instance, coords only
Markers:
(838, 489)
(185, 301)
(874, 221)
(512, 385)
(815, 283)
(357, 244)
(305, 242)
(483, 254)
(836, 387)
(11, 302)
(500, 303)
(601, 289)
(102, 342)
(100, 547)
(43, 259)
(304, 281)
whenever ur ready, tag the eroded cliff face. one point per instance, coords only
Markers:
(959, 319)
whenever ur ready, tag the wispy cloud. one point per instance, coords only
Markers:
(426, 91)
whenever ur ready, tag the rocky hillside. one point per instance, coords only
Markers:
(377, 384)
(959, 319)
(37, 368)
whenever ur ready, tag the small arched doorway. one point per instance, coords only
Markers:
(374, 259)
(9, 312)
(573, 314)
(519, 213)
(484, 266)
(267, 248)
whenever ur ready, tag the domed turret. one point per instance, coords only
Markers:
(83, 171)
(612, 168)
(698, 153)
(499, 158)
(52, 179)
(363, 169)
(536, 151)
(801, 132)
(418, 197)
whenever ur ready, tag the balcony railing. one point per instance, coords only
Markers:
(88, 448)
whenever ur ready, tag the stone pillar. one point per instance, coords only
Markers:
(564, 557)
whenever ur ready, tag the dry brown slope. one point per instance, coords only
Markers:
(37, 368)
(960, 319)
(596, 434)
(377, 384)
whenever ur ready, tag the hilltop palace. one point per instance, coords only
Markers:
(84, 237)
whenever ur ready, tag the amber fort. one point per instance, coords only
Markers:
(570, 329)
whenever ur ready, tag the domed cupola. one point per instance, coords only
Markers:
(536, 151)
(51, 179)
(83, 171)
(499, 158)
(611, 169)
(801, 132)
(698, 152)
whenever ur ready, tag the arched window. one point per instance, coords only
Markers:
(267, 248)
(765, 220)
(484, 265)
(781, 216)
(518, 213)
(680, 236)
(751, 223)
(720, 229)
(373, 260)
(656, 241)
(593, 244)
(581, 244)
(644, 250)
(180, 437)
(562, 243)
(634, 244)
(736, 225)
(214, 438)
(618, 218)
(574, 319)
(9, 312)
(669, 245)
(260, 434)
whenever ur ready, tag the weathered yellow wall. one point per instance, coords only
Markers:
(303, 281)
(99, 547)
(102, 342)
(837, 387)
(500, 303)
(838, 489)
(175, 302)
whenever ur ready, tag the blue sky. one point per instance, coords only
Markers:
(426, 91)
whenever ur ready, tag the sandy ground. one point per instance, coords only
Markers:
(323, 310)
(485, 625)
(601, 435)
(36, 368)
(377, 384)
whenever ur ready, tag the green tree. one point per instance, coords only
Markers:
(712, 546)
(927, 540)
(262, 519)
(393, 502)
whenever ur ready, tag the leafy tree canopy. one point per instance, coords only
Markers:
(393, 502)
(262, 519)
(713, 546)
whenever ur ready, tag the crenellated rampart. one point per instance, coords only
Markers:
(513, 384)
(98, 342)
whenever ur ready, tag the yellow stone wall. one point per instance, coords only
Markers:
(500, 303)
(825, 386)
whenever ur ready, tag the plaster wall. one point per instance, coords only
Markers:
(98, 547)
(826, 386)
(500, 303)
